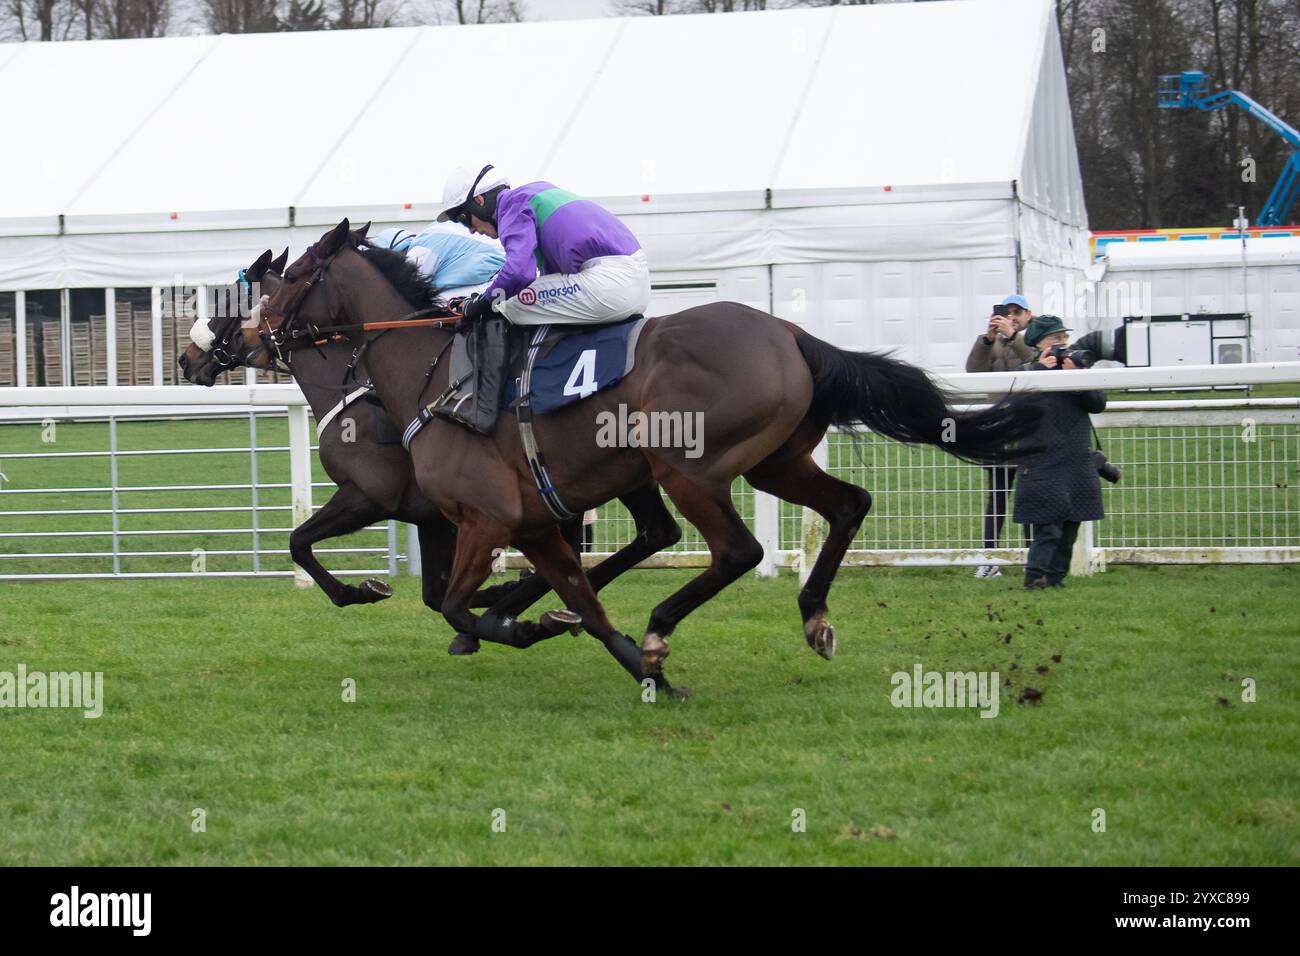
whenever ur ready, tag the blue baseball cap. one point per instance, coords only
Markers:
(1019, 300)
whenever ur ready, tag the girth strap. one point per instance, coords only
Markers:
(524, 410)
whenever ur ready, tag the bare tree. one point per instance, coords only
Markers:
(653, 8)
(86, 10)
(362, 14)
(36, 19)
(131, 18)
(240, 16)
(486, 11)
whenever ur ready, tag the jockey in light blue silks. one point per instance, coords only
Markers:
(455, 261)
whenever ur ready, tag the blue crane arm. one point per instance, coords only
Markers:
(1220, 100)
(1190, 90)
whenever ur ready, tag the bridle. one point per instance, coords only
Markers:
(286, 336)
(220, 350)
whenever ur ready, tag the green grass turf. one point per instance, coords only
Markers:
(226, 695)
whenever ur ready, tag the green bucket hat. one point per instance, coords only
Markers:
(1041, 326)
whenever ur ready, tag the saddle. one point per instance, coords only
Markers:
(498, 364)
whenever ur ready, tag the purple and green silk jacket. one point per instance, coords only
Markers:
(546, 230)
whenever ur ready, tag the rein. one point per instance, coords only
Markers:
(286, 338)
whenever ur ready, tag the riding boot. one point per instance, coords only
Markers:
(476, 401)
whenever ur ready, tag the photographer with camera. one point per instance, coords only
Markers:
(1059, 486)
(1001, 348)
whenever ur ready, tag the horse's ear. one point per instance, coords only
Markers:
(277, 264)
(360, 234)
(334, 240)
(258, 268)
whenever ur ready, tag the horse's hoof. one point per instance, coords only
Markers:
(373, 590)
(654, 651)
(462, 645)
(557, 622)
(820, 637)
(680, 693)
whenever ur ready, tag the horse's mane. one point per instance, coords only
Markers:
(402, 273)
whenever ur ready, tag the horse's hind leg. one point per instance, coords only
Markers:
(347, 511)
(733, 548)
(802, 482)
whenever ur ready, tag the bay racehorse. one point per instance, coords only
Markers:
(766, 391)
(361, 452)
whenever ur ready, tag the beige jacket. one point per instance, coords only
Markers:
(1000, 355)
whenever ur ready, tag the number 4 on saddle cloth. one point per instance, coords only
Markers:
(547, 368)
(537, 369)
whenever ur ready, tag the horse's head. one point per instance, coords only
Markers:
(302, 302)
(216, 344)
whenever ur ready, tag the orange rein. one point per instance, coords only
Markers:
(393, 324)
(408, 323)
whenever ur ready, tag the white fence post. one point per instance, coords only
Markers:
(767, 528)
(110, 337)
(414, 564)
(814, 528)
(1084, 559)
(300, 476)
(20, 337)
(155, 334)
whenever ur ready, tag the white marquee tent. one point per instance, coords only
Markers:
(876, 173)
(1260, 277)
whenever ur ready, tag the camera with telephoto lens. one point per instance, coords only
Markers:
(1082, 358)
(1104, 468)
(1109, 344)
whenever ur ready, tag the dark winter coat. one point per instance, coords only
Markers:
(1060, 483)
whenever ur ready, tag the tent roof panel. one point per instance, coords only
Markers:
(692, 104)
(1202, 253)
(62, 124)
(912, 94)
(247, 128)
(442, 102)
(833, 102)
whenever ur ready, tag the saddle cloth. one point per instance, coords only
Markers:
(572, 363)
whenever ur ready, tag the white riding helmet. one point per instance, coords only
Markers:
(464, 184)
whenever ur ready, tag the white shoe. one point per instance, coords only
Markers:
(988, 571)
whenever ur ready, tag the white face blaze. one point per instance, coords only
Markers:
(201, 335)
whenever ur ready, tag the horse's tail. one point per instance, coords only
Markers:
(894, 398)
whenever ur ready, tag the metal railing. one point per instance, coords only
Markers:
(1204, 480)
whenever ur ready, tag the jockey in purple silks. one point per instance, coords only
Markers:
(568, 260)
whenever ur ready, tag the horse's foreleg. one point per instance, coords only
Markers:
(347, 511)
(555, 559)
(527, 591)
(437, 550)
(656, 530)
